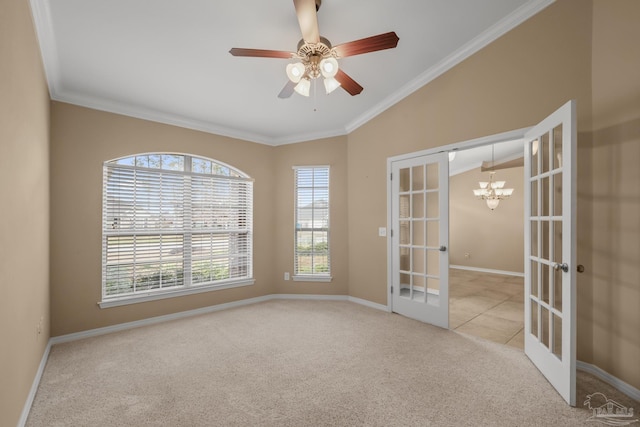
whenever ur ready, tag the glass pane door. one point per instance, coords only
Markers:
(420, 238)
(550, 249)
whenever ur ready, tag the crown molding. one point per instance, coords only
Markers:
(110, 106)
(144, 113)
(41, 16)
(46, 37)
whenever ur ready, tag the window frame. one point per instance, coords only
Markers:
(186, 228)
(297, 275)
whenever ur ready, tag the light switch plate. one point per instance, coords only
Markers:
(382, 231)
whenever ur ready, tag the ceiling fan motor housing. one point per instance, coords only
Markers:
(312, 53)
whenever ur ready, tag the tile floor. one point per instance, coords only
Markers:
(490, 306)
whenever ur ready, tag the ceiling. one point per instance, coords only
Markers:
(472, 158)
(168, 60)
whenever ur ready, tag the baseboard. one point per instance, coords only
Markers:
(355, 300)
(368, 303)
(34, 386)
(487, 270)
(614, 382)
(309, 297)
(159, 319)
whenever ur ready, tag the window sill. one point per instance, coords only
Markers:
(303, 278)
(163, 294)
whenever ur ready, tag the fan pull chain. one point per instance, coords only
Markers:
(315, 95)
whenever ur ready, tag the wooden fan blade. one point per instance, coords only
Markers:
(348, 83)
(287, 90)
(261, 53)
(369, 44)
(308, 20)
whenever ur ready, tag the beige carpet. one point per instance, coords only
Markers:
(298, 363)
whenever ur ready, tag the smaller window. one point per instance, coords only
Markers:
(312, 261)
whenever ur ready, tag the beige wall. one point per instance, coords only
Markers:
(512, 83)
(614, 263)
(493, 239)
(81, 140)
(24, 212)
(332, 152)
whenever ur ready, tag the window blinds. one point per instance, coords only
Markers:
(169, 227)
(311, 252)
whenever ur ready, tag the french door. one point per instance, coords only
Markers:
(420, 238)
(550, 249)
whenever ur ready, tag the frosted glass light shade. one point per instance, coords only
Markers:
(328, 67)
(303, 87)
(295, 71)
(331, 84)
(493, 203)
(483, 184)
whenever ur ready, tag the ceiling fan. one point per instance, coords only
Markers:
(316, 56)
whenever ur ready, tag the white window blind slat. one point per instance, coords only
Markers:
(165, 226)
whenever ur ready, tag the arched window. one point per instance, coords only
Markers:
(174, 224)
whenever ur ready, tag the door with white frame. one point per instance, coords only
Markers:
(420, 238)
(550, 249)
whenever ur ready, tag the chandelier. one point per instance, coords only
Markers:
(316, 59)
(492, 191)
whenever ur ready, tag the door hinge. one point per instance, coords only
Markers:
(391, 177)
(392, 289)
(392, 233)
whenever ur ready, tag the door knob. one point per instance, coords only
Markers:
(564, 267)
(443, 248)
(580, 268)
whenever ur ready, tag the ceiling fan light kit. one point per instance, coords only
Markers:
(315, 60)
(316, 56)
